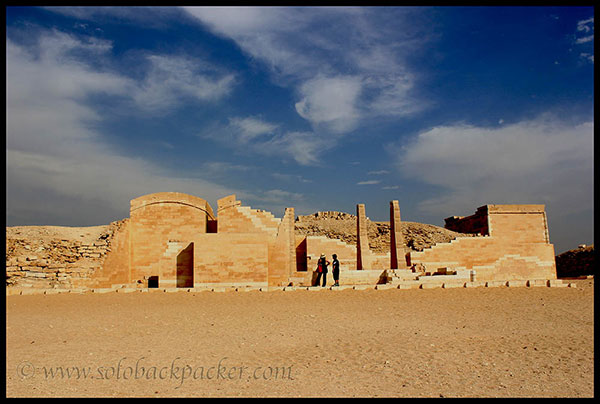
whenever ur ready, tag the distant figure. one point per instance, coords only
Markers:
(335, 265)
(322, 270)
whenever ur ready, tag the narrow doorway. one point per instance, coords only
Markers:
(185, 267)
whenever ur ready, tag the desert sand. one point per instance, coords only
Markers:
(480, 342)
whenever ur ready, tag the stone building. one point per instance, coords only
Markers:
(174, 240)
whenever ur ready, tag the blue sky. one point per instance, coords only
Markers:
(442, 108)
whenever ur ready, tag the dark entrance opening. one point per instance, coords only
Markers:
(153, 282)
(301, 257)
(185, 267)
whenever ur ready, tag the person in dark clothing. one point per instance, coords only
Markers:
(336, 270)
(322, 270)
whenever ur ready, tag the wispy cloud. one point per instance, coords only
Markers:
(380, 172)
(290, 178)
(51, 148)
(246, 129)
(173, 79)
(343, 73)
(254, 135)
(369, 182)
(585, 35)
(391, 187)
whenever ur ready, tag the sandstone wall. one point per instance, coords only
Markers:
(517, 248)
(115, 267)
(231, 259)
(162, 224)
(235, 218)
(317, 245)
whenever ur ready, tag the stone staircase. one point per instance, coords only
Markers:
(262, 220)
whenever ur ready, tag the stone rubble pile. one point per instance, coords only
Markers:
(48, 262)
(342, 226)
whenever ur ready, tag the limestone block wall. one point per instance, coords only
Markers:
(317, 245)
(235, 218)
(160, 226)
(520, 223)
(115, 268)
(517, 247)
(380, 261)
(230, 259)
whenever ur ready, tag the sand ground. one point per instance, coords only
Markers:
(482, 342)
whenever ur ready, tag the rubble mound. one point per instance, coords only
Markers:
(342, 226)
(577, 262)
(55, 256)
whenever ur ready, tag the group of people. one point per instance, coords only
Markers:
(322, 265)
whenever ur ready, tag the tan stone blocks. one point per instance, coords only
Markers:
(408, 285)
(516, 283)
(556, 283)
(475, 284)
(431, 285)
(495, 284)
(450, 285)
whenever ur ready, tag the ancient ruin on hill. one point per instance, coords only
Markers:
(174, 240)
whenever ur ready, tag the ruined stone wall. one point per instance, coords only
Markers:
(57, 260)
(235, 218)
(317, 245)
(475, 224)
(115, 267)
(380, 261)
(162, 225)
(517, 247)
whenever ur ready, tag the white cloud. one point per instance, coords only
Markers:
(380, 172)
(330, 102)
(290, 178)
(249, 128)
(585, 28)
(584, 39)
(587, 57)
(369, 182)
(253, 135)
(542, 161)
(59, 170)
(173, 78)
(346, 64)
(304, 147)
(586, 25)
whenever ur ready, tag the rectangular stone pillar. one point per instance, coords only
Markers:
(397, 259)
(289, 219)
(363, 252)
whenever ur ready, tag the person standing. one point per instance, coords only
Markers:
(322, 270)
(335, 266)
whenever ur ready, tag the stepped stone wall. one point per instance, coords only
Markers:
(174, 240)
(516, 245)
